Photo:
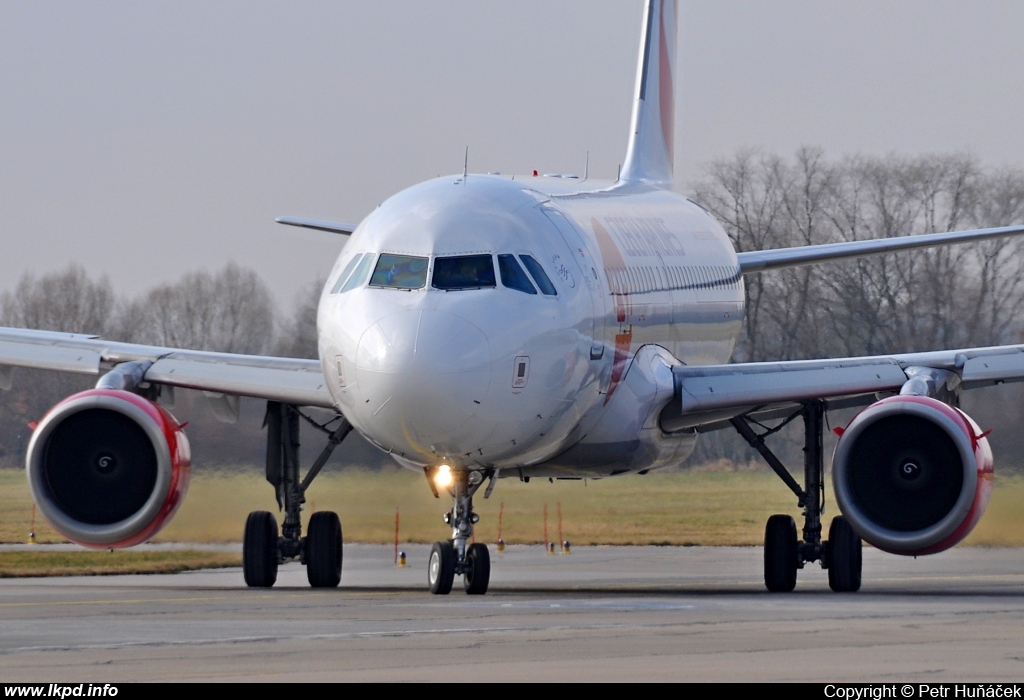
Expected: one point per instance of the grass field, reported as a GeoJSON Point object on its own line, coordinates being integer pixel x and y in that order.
{"type": "Point", "coordinates": [105, 563]}
{"type": "Point", "coordinates": [699, 507]}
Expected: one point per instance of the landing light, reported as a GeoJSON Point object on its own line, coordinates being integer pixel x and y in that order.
{"type": "Point", "coordinates": [443, 476]}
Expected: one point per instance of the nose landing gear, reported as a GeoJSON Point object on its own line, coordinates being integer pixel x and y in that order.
{"type": "Point", "coordinates": [458, 555]}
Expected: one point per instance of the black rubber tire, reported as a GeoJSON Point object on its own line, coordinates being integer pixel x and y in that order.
{"type": "Point", "coordinates": [844, 557]}
{"type": "Point", "coordinates": [324, 548]}
{"type": "Point", "coordinates": [478, 569]}
{"type": "Point", "coordinates": [781, 554]}
{"type": "Point", "coordinates": [441, 568]}
{"type": "Point", "coordinates": [260, 550]}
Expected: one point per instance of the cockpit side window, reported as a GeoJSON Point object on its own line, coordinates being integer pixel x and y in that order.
{"type": "Point", "coordinates": [348, 271]}
{"type": "Point", "coordinates": [463, 272]}
{"type": "Point", "coordinates": [539, 276]}
{"type": "Point", "coordinates": [512, 275]}
{"type": "Point", "coordinates": [399, 272]}
{"type": "Point", "coordinates": [359, 276]}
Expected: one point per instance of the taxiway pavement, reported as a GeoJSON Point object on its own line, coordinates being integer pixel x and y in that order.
{"type": "Point", "coordinates": [597, 614]}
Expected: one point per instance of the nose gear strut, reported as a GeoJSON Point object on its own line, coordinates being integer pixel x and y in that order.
{"type": "Point", "coordinates": [458, 555]}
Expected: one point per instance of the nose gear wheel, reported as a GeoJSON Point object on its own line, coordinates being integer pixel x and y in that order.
{"type": "Point", "coordinates": [441, 568]}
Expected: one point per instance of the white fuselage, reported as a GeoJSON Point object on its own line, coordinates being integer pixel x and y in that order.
{"type": "Point", "coordinates": [502, 374]}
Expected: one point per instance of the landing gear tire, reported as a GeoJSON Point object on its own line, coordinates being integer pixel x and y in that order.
{"type": "Point", "coordinates": [441, 569]}
{"type": "Point", "coordinates": [478, 569]}
{"type": "Point", "coordinates": [781, 554]}
{"type": "Point", "coordinates": [259, 550]}
{"type": "Point", "coordinates": [324, 550]}
{"type": "Point", "coordinates": [844, 555]}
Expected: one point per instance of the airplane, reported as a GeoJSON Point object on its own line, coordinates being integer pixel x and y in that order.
{"type": "Point", "coordinates": [480, 327]}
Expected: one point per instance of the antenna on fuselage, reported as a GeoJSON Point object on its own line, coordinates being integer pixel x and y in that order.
{"type": "Point", "coordinates": [465, 166]}
{"type": "Point", "coordinates": [586, 168]}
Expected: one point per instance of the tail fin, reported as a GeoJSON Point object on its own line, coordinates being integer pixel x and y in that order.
{"type": "Point", "coordinates": [649, 155]}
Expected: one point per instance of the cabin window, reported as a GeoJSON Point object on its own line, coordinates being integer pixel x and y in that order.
{"type": "Point", "coordinates": [513, 276]}
{"type": "Point", "coordinates": [463, 272]}
{"type": "Point", "coordinates": [399, 272]}
{"type": "Point", "coordinates": [344, 275]}
{"type": "Point", "coordinates": [539, 276]}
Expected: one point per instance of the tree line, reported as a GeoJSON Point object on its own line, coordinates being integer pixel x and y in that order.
{"type": "Point", "coordinates": [955, 296]}
{"type": "Point", "coordinates": [958, 296]}
{"type": "Point", "coordinates": [226, 311]}
{"type": "Point", "coordinates": [230, 310]}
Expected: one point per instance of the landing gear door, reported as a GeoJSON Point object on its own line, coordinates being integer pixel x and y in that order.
{"type": "Point", "coordinates": [588, 271]}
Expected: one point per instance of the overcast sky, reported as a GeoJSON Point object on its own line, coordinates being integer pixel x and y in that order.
{"type": "Point", "coordinates": [147, 139]}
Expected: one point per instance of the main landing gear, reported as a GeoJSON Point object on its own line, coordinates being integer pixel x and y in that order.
{"type": "Point", "coordinates": [784, 553]}
{"type": "Point", "coordinates": [457, 556]}
{"type": "Point", "coordinates": [263, 549]}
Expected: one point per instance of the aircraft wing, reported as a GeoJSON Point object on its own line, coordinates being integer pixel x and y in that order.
{"type": "Point", "coordinates": [763, 260]}
{"type": "Point", "coordinates": [329, 226]}
{"type": "Point", "coordinates": [289, 380]}
{"type": "Point", "coordinates": [711, 394]}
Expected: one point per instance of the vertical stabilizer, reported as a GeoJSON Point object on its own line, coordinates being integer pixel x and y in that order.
{"type": "Point", "coordinates": [649, 155]}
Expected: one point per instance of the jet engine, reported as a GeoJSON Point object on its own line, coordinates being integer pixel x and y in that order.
{"type": "Point", "coordinates": [912, 475]}
{"type": "Point", "coordinates": [108, 468]}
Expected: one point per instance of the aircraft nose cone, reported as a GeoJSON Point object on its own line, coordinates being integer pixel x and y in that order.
{"type": "Point", "coordinates": [422, 375]}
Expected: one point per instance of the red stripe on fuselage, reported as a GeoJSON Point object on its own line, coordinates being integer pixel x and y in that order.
{"type": "Point", "coordinates": [622, 344]}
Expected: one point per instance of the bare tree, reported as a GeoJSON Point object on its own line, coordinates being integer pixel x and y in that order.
{"type": "Point", "coordinates": [941, 297]}
{"type": "Point", "coordinates": [60, 301]}
{"type": "Point", "coordinates": [747, 195]}
{"type": "Point", "coordinates": [957, 296]}
{"type": "Point", "coordinates": [298, 336]}
{"type": "Point", "coordinates": [230, 311]}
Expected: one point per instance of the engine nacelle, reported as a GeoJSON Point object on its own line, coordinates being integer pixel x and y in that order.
{"type": "Point", "coordinates": [108, 468]}
{"type": "Point", "coordinates": [912, 475]}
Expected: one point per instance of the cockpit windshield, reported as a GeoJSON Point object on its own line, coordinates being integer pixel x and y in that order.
{"type": "Point", "coordinates": [400, 272]}
{"type": "Point", "coordinates": [463, 272]}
